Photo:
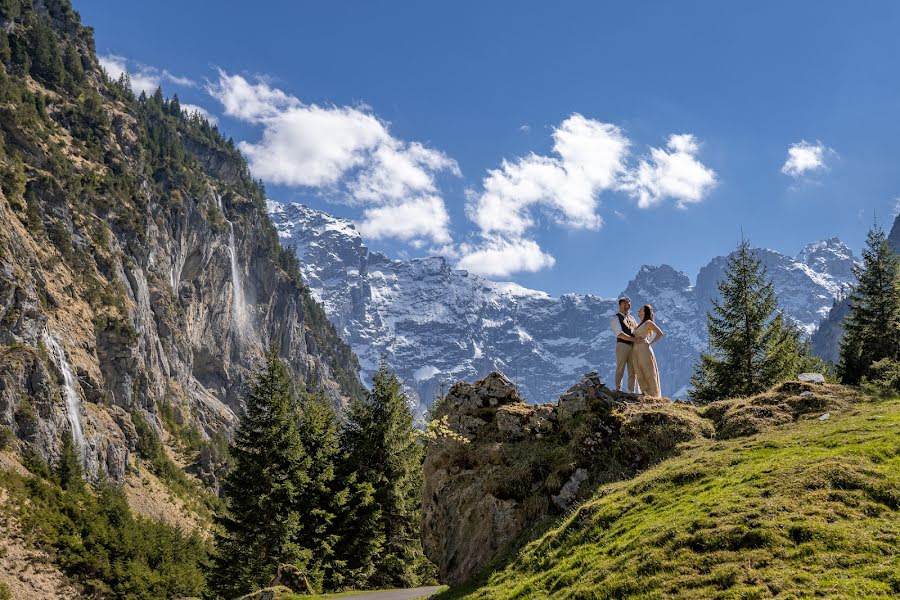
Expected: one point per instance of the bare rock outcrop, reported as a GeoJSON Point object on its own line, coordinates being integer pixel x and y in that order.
{"type": "Point", "coordinates": [496, 466]}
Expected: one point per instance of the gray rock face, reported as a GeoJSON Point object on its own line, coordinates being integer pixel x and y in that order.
{"type": "Point", "coordinates": [435, 324]}
{"type": "Point", "coordinates": [167, 293]}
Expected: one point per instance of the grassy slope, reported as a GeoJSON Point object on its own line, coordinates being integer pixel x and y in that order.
{"type": "Point", "coordinates": [808, 508]}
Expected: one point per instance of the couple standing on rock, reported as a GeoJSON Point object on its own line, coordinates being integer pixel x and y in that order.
{"type": "Point", "coordinates": [633, 348]}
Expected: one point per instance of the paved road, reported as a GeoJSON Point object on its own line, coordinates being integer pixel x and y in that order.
{"type": "Point", "coordinates": [398, 594]}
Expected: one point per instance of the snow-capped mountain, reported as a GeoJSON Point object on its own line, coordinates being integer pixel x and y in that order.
{"type": "Point", "coordinates": [435, 325]}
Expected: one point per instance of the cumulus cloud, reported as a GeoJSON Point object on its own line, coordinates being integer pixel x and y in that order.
{"type": "Point", "coordinates": [589, 155]}
{"type": "Point", "coordinates": [144, 78]}
{"type": "Point", "coordinates": [413, 220]}
{"type": "Point", "coordinates": [673, 172]}
{"type": "Point", "coordinates": [588, 158]}
{"type": "Point", "coordinates": [503, 257]}
{"type": "Point", "coordinates": [804, 157]}
{"type": "Point", "coordinates": [113, 65]}
{"type": "Point", "coordinates": [345, 150]}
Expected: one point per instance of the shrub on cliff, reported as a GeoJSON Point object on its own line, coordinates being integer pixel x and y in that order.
{"type": "Point", "coordinates": [95, 539]}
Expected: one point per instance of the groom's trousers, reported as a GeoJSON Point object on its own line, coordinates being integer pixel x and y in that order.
{"type": "Point", "coordinates": [625, 358]}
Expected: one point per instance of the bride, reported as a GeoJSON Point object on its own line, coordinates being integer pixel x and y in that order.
{"type": "Point", "coordinates": [644, 358]}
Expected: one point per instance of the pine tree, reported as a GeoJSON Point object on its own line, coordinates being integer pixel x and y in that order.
{"type": "Point", "coordinates": [322, 499]}
{"type": "Point", "coordinates": [260, 525]}
{"type": "Point", "coordinates": [382, 546]}
{"type": "Point", "coordinates": [68, 469]}
{"type": "Point", "coordinates": [47, 62]}
{"type": "Point", "coordinates": [751, 347]}
{"type": "Point", "coordinates": [872, 327]}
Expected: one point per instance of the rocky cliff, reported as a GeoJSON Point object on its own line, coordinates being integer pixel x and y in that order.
{"type": "Point", "coordinates": [496, 467]}
{"type": "Point", "coordinates": [435, 324]}
{"type": "Point", "coordinates": [139, 272]}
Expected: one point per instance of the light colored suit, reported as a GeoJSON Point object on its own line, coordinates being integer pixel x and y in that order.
{"type": "Point", "coordinates": [624, 353]}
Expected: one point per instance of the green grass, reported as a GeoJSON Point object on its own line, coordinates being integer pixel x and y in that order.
{"type": "Point", "coordinates": [810, 508]}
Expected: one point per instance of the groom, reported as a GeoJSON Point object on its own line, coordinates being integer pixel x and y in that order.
{"type": "Point", "coordinates": [623, 325]}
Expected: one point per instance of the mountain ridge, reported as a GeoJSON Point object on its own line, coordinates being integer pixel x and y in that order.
{"type": "Point", "coordinates": [542, 342]}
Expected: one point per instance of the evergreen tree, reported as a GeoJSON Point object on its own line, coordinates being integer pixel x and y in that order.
{"type": "Point", "coordinates": [382, 547]}
{"type": "Point", "coordinates": [751, 346]}
{"type": "Point", "coordinates": [260, 524]}
{"type": "Point", "coordinates": [872, 327]}
{"type": "Point", "coordinates": [73, 67]}
{"type": "Point", "coordinates": [46, 59]}
{"type": "Point", "coordinates": [68, 469]}
{"type": "Point", "coordinates": [321, 500]}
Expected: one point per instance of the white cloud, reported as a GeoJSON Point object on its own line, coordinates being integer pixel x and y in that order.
{"type": "Point", "coordinates": [804, 157]}
{"type": "Point", "coordinates": [396, 171]}
{"type": "Point", "coordinates": [414, 221]}
{"type": "Point", "coordinates": [589, 157]}
{"type": "Point", "coordinates": [673, 172]}
{"type": "Point", "coordinates": [113, 64]}
{"type": "Point", "coordinates": [344, 150]}
{"type": "Point", "coordinates": [503, 257]}
{"type": "Point", "coordinates": [144, 78]}
{"type": "Point", "coordinates": [250, 102]}
{"type": "Point", "coordinates": [193, 108]}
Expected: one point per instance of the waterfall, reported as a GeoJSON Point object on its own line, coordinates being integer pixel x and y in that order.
{"type": "Point", "coordinates": [73, 402]}
{"type": "Point", "coordinates": [239, 303]}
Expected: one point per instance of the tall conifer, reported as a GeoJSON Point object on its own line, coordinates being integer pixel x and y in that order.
{"type": "Point", "coordinates": [751, 346]}
{"type": "Point", "coordinates": [872, 327]}
{"type": "Point", "coordinates": [322, 499]}
{"type": "Point", "coordinates": [383, 449]}
{"type": "Point", "coordinates": [260, 525]}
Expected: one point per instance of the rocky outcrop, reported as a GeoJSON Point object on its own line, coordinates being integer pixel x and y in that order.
{"type": "Point", "coordinates": [496, 466]}
{"type": "Point", "coordinates": [138, 271]}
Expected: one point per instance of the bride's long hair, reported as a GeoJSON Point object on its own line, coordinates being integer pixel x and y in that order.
{"type": "Point", "coordinates": [647, 311]}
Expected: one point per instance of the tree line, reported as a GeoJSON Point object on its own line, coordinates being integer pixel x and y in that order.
{"type": "Point", "coordinates": [339, 501]}
{"type": "Point", "coordinates": [752, 345]}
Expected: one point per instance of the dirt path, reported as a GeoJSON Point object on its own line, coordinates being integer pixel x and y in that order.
{"type": "Point", "coordinates": [409, 594]}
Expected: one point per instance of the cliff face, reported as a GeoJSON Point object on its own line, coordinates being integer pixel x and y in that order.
{"type": "Point", "coordinates": [138, 268]}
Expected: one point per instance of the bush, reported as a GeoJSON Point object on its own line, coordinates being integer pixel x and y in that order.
{"type": "Point", "coordinates": [884, 378]}
{"type": "Point", "coordinates": [5, 593]}
{"type": "Point", "coordinates": [7, 439]}
{"type": "Point", "coordinates": [94, 538]}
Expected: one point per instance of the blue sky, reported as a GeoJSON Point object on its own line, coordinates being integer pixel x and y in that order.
{"type": "Point", "coordinates": [400, 116]}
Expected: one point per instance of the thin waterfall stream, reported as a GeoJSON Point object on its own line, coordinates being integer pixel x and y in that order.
{"type": "Point", "coordinates": [73, 402]}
